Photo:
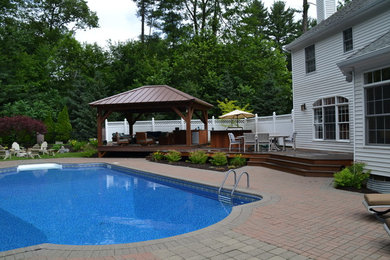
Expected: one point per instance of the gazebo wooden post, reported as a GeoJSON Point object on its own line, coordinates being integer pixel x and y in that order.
{"type": "Point", "coordinates": [99, 126]}
{"type": "Point", "coordinates": [188, 124]}
{"type": "Point", "coordinates": [131, 120]}
{"type": "Point", "coordinates": [206, 122]}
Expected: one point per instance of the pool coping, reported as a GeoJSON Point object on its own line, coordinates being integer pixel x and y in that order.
{"type": "Point", "coordinates": [238, 215]}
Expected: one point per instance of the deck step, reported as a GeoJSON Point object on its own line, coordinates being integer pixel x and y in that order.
{"type": "Point", "coordinates": [294, 170]}
{"type": "Point", "coordinates": [298, 165]}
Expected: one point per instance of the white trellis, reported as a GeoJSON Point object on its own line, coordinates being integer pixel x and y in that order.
{"type": "Point", "coordinates": [281, 124]}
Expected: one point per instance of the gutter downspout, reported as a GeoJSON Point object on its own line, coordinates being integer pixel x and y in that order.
{"type": "Point", "coordinates": [354, 116]}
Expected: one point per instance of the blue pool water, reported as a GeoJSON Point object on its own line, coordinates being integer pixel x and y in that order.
{"type": "Point", "coordinates": [97, 205]}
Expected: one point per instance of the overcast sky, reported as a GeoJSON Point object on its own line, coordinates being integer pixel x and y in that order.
{"type": "Point", "coordinates": [118, 20]}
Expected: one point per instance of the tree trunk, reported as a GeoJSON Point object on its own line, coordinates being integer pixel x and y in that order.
{"type": "Point", "coordinates": [304, 16]}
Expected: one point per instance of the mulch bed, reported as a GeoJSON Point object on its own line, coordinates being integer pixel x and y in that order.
{"type": "Point", "coordinates": [362, 190]}
{"type": "Point", "coordinates": [206, 166]}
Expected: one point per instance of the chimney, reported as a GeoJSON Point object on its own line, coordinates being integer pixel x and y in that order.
{"type": "Point", "coordinates": [325, 8]}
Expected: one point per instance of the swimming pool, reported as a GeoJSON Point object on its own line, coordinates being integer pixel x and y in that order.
{"type": "Point", "coordinates": [98, 204]}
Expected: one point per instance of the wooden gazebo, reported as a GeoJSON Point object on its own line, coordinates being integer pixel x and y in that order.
{"type": "Point", "coordinates": [148, 99]}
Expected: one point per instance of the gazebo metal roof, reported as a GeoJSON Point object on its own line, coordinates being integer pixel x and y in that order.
{"type": "Point", "coordinates": [147, 99]}
{"type": "Point", "coordinates": [150, 98]}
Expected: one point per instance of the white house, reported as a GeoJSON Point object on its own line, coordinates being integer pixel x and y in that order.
{"type": "Point", "coordinates": [341, 84]}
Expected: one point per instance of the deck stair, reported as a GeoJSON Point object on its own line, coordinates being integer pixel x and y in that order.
{"type": "Point", "coordinates": [313, 167]}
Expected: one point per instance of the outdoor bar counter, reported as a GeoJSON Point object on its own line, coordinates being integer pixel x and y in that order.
{"type": "Point", "coordinates": [220, 138]}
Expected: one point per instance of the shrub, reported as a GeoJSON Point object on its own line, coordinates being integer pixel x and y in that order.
{"type": "Point", "coordinates": [63, 126]}
{"type": "Point", "coordinates": [93, 142]}
{"type": "Point", "coordinates": [219, 159]}
{"type": "Point", "coordinates": [173, 156]}
{"type": "Point", "coordinates": [89, 150]}
{"type": "Point", "coordinates": [352, 176]}
{"type": "Point", "coordinates": [76, 145]}
{"type": "Point", "coordinates": [51, 129]}
{"type": "Point", "coordinates": [21, 129]}
{"type": "Point", "coordinates": [56, 146]}
{"type": "Point", "coordinates": [158, 156]}
{"type": "Point", "coordinates": [238, 161]}
{"type": "Point", "coordinates": [198, 157]}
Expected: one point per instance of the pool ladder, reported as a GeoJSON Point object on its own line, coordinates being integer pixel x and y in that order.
{"type": "Point", "coordinates": [227, 199]}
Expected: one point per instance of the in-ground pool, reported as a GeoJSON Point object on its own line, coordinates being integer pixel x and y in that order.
{"type": "Point", "coordinates": [102, 204]}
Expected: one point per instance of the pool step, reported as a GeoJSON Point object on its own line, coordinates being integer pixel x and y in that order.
{"type": "Point", "coordinates": [225, 199]}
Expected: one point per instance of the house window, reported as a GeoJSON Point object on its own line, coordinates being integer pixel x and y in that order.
{"type": "Point", "coordinates": [378, 114]}
{"type": "Point", "coordinates": [377, 76]}
{"type": "Point", "coordinates": [331, 118]}
{"type": "Point", "coordinates": [347, 38]}
{"type": "Point", "coordinates": [310, 59]}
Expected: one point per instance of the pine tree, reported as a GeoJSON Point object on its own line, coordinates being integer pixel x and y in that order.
{"type": "Point", "coordinates": [51, 129]}
{"type": "Point", "coordinates": [63, 127]}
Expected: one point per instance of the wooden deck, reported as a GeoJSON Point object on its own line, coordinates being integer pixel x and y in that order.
{"type": "Point", "coordinates": [302, 162]}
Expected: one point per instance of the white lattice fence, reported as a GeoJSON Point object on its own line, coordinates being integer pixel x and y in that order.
{"type": "Point", "coordinates": [281, 124]}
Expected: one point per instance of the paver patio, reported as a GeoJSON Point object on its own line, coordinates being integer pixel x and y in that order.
{"type": "Point", "coordinates": [299, 218]}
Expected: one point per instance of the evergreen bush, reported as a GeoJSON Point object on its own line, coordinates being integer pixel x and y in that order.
{"type": "Point", "coordinates": [173, 156]}
{"type": "Point", "coordinates": [352, 176]}
{"type": "Point", "coordinates": [63, 126]}
{"type": "Point", "coordinates": [158, 156]}
{"type": "Point", "coordinates": [238, 161]}
{"type": "Point", "coordinates": [198, 157]}
{"type": "Point", "coordinates": [219, 159]}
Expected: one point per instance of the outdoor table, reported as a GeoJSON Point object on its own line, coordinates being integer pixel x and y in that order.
{"type": "Point", "coordinates": [274, 142]}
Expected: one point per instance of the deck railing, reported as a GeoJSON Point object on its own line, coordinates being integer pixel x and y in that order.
{"type": "Point", "coordinates": [281, 124]}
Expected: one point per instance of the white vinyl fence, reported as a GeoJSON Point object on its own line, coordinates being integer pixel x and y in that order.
{"type": "Point", "coordinates": [280, 124]}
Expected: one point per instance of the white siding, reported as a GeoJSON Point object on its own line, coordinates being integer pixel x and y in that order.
{"type": "Point", "coordinates": [376, 157]}
{"type": "Point", "coordinates": [329, 81]}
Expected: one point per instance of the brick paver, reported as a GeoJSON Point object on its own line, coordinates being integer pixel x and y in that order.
{"type": "Point", "coordinates": [299, 218]}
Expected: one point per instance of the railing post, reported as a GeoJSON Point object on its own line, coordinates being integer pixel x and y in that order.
{"type": "Point", "coordinates": [274, 121]}
{"type": "Point", "coordinates": [213, 123]}
{"type": "Point", "coordinates": [256, 119]}
{"type": "Point", "coordinates": [124, 126]}
{"type": "Point", "coordinates": [153, 125]}
{"type": "Point", "coordinates": [106, 127]}
{"type": "Point", "coordinates": [293, 119]}
{"type": "Point", "coordinates": [182, 123]}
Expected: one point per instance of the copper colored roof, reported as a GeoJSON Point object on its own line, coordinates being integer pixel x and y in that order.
{"type": "Point", "coordinates": [151, 96]}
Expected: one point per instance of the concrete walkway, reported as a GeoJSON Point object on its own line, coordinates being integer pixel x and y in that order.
{"type": "Point", "coordinates": [299, 218]}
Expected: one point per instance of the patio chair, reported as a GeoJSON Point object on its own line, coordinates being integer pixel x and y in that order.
{"type": "Point", "coordinates": [5, 153]}
{"type": "Point", "coordinates": [263, 140]}
{"type": "Point", "coordinates": [387, 225]}
{"type": "Point", "coordinates": [375, 202]}
{"type": "Point", "coordinates": [290, 140]}
{"type": "Point", "coordinates": [234, 141]}
{"type": "Point", "coordinates": [16, 150]}
{"type": "Point", "coordinates": [142, 138]}
{"type": "Point", "coordinates": [250, 139]}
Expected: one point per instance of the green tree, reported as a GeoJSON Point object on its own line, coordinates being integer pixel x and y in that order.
{"type": "Point", "coordinates": [51, 129]}
{"type": "Point", "coordinates": [63, 126]}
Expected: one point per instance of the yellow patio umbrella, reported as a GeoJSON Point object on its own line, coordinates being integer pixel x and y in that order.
{"type": "Point", "coordinates": [237, 114]}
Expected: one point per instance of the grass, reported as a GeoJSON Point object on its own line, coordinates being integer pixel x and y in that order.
{"type": "Point", "coordinates": [57, 155]}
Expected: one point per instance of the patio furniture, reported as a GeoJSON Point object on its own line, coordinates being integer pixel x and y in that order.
{"type": "Point", "coordinates": [373, 202]}
{"type": "Point", "coordinates": [16, 150]}
{"type": "Point", "coordinates": [290, 140]}
{"type": "Point", "coordinates": [274, 146]}
{"type": "Point", "coordinates": [142, 138]}
{"type": "Point", "coordinates": [387, 225]}
{"type": "Point", "coordinates": [5, 153]}
{"type": "Point", "coordinates": [234, 141]}
{"type": "Point", "coordinates": [263, 140]}
{"type": "Point", "coordinates": [32, 153]}
{"type": "Point", "coordinates": [122, 139]}
{"type": "Point", "coordinates": [250, 139]}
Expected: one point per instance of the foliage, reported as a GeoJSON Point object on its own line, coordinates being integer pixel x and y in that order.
{"type": "Point", "coordinates": [198, 157]}
{"type": "Point", "coordinates": [173, 156]}
{"type": "Point", "coordinates": [77, 145]}
{"type": "Point", "coordinates": [158, 156]}
{"type": "Point", "coordinates": [56, 146]}
{"type": "Point", "coordinates": [352, 176]}
{"type": "Point", "coordinates": [219, 159]}
{"type": "Point", "coordinates": [93, 142]}
{"type": "Point", "coordinates": [51, 129]}
{"type": "Point", "coordinates": [238, 161]}
{"type": "Point", "coordinates": [214, 50]}
{"type": "Point", "coordinates": [63, 126]}
{"type": "Point", "coordinates": [227, 106]}
{"type": "Point", "coordinates": [21, 129]}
